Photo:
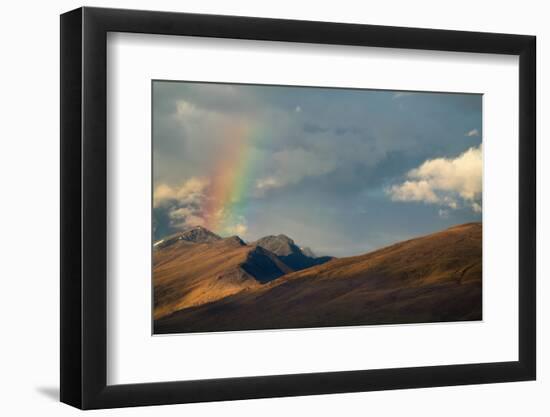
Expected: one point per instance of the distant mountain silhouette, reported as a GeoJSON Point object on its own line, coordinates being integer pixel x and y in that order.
{"type": "Point", "coordinates": [226, 285]}
{"type": "Point", "coordinates": [285, 248]}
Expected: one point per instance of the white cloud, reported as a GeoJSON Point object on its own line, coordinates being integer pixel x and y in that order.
{"type": "Point", "coordinates": [476, 207]}
{"type": "Point", "coordinates": [473, 132]}
{"type": "Point", "coordinates": [267, 183]}
{"type": "Point", "coordinates": [191, 191]}
{"type": "Point", "coordinates": [239, 229]}
{"type": "Point", "coordinates": [445, 182]}
{"type": "Point", "coordinates": [162, 194]}
{"type": "Point", "coordinates": [185, 222]}
{"type": "Point", "coordinates": [186, 217]}
{"type": "Point", "coordinates": [181, 213]}
{"type": "Point", "coordinates": [298, 109]}
{"type": "Point", "coordinates": [183, 204]}
{"type": "Point", "coordinates": [414, 191]}
{"type": "Point", "coordinates": [184, 207]}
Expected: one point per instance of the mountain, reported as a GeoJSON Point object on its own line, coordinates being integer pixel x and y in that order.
{"type": "Point", "coordinates": [308, 252]}
{"type": "Point", "coordinates": [195, 267]}
{"type": "Point", "coordinates": [196, 234]}
{"type": "Point", "coordinates": [427, 279]}
{"type": "Point", "coordinates": [288, 252]}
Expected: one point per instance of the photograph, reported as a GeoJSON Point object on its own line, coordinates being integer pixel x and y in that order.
{"type": "Point", "coordinates": [286, 207]}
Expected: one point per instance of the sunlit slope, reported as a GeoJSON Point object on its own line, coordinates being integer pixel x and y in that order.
{"type": "Point", "coordinates": [187, 274]}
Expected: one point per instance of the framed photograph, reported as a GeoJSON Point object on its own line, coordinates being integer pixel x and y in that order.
{"type": "Point", "coordinates": [257, 208]}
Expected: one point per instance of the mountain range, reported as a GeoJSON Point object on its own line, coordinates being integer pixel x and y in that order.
{"type": "Point", "coordinates": [197, 266]}
{"type": "Point", "coordinates": [203, 282]}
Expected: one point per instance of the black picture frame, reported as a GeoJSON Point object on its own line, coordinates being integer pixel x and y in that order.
{"type": "Point", "coordinates": [84, 207]}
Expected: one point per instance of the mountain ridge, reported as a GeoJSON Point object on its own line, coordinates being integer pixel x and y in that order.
{"type": "Point", "coordinates": [290, 253]}
{"type": "Point", "coordinates": [431, 278]}
{"type": "Point", "coordinates": [196, 266]}
{"type": "Point", "coordinates": [197, 234]}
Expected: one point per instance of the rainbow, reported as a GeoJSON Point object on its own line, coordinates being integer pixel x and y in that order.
{"type": "Point", "coordinates": [225, 207]}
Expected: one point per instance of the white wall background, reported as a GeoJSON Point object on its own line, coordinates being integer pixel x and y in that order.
{"type": "Point", "coordinates": [29, 176]}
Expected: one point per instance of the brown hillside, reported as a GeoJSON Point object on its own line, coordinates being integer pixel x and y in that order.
{"type": "Point", "coordinates": [187, 274]}
{"type": "Point", "coordinates": [427, 279]}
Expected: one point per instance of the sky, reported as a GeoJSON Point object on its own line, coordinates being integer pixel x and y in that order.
{"type": "Point", "coordinates": [341, 171]}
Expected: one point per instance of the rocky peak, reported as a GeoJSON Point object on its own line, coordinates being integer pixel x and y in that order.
{"type": "Point", "coordinates": [233, 241]}
{"type": "Point", "coordinates": [280, 245]}
{"type": "Point", "coordinates": [197, 234]}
